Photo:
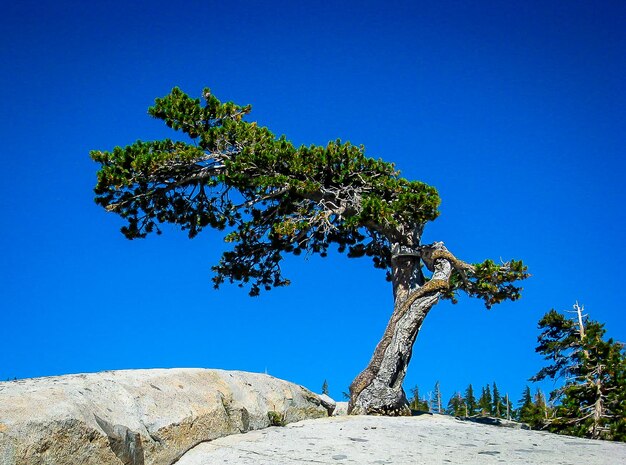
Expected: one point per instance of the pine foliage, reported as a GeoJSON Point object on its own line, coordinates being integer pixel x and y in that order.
{"type": "Point", "coordinates": [272, 198]}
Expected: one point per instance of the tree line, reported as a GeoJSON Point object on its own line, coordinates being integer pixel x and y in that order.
{"type": "Point", "coordinates": [590, 400]}
{"type": "Point", "coordinates": [490, 402]}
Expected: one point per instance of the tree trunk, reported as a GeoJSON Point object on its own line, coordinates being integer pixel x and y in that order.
{"type": "Point", "coordinates": [378, 389]}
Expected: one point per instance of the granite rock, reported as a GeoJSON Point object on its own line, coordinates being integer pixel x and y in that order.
{"type": "Point", "coordinates": [419, 440]}
{"type": "Point", "coordinates": [328, 402]}
{"type": "Point", "coordinates": [138, 417]}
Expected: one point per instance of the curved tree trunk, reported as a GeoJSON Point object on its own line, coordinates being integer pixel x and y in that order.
{"type": "Point", "coordinates": [378, 388]}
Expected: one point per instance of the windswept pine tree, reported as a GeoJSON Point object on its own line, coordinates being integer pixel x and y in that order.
{"type": "Point", "coordinates": [592, 400]}
{"type": "Point", "coordinates": [272, 198]}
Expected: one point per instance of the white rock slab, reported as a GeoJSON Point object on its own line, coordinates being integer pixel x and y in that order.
{"type": "Point", "coordinates": [427, 440]}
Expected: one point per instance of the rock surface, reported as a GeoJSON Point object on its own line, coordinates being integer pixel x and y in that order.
{"type": "Point", "coordinates": [426, 439]}
{"type": "Point", "coordinates": [328, 403]}
{"type": "Point", "coordinates": [138, 417]}
{"type": "Point", "coordinates": [341, 408]}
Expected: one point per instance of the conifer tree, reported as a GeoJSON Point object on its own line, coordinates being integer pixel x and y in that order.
{"type": "Point", "coordinates": [485, 401]}
{"type": "Point", "coordinates": [416, 403]}
{"type": "Point", "coordinates": [592, 400]}
{"type": "Point", "coordinates": [498, 408]}
{"type": "Point", "coordinates": [541, 406]}
{"type": "Point", "coordinates": [533, 409]}
{"type": "Point", "coordinates": [272, 198]}
{"type": "Point", "coordinates": [525, 410]}
{"type": "Point", "coordinates": [325, 387]}
{"type": "Point", "coordinates": [456, 406]}
{"type": "Point", "coordinates": [470, 401]}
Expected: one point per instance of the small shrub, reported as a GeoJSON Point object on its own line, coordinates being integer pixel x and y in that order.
{"type": "Point", "coordinates": [276, 419]}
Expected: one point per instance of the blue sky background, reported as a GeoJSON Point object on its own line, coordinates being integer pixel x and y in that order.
{"type": "Point", "coordinates": [515, 111]}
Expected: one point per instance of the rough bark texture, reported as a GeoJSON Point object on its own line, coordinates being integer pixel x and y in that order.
{"type": "Point", "coordinates": [378, 388]}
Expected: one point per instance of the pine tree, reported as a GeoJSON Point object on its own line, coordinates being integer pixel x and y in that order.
{"type": "Point", "coordinates": [325, 388]}
{"type": "Point", "coordinates": [271, 199]}
{"type": "Point", "coordinates": [416, 403]}
{"type": "Point", "coordinates": [592, 400]}
{"type": "Point", "coordinates": [470, 402]}
{"type": "Point", "coordinates": [541, 407]}
{"type": "Point", "coordinates": [456, 406]}
{"type": "Point", "coordinates": [485, 401]}
{"type": "Point", "coordinates": [528, 412]}
{"type": "Point", "coordinates": [498, 407]}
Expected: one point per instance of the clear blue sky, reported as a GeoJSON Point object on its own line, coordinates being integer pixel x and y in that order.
{"type": "Point", "coordinates": [515, 111]}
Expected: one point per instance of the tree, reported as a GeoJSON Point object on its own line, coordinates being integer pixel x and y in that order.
{"type": "Point", "coordinates": [416, 403]}
{"type": "Point", "coordinates": [498, 408]}
{"type": "Point", "coordinates": [325, 387]}
{"type": "Point", "coordinates": [485, 400]}
{"type": "Point", "coordinates": [470, 402]}
{"type": "Point", "coordinates": [541, 406]}
{"type": "Point", "coordinates": [592, 400]}
{"type": "Point", "coordinates": [272, 198]}
{"type": "Point", "coordinates": [510, 411]}
{"type": "Point", "coordinates": [528, 412]}
{"type": "Point", "coordinates": [437, 407]}
{"type": "Point", "coordinates": [457, 406]}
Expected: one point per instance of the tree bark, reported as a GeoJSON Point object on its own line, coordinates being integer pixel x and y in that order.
{"type": "Point", "coordinates": [377, 390]}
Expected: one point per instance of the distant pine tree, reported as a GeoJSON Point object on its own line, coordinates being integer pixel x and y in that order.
{"type": "Point", "coordinates": [525, 406]}
{"type": "Point", "coordinates": [325, 388]}
{"type": "Point", "coordinates": [456, 405]}
{"type": "Point", "coordinates": [498, 407]}
{"type": "Point", "coordinates": [415, 403]}
{"type": "Point", "coordinates": [470, 402]}
{"type": "Point", "coordinates": [415, 396]}
{"type": "Point", "coordinates": [528, 411]}
{"type": "Point", "coordinates": [484, 403]}
{"type": "Point", "coordinates": [541, 406]}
